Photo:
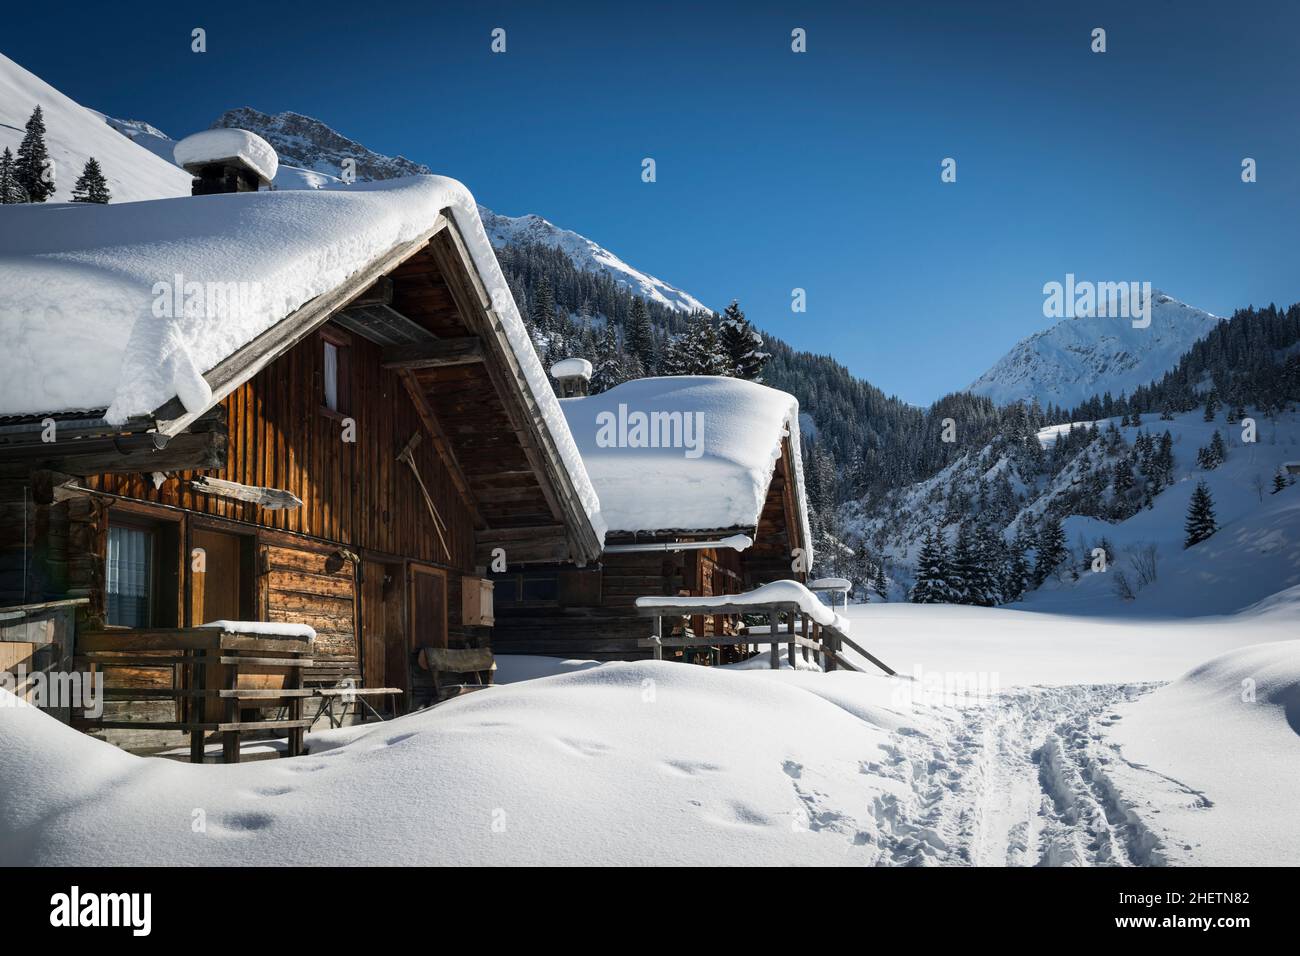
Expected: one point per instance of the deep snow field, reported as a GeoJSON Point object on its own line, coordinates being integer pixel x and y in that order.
{"type": "Point", "coordinates": [1076, 759]}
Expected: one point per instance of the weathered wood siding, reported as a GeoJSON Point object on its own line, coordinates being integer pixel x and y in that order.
{"type": "Point", "coordinates": [354, 493]}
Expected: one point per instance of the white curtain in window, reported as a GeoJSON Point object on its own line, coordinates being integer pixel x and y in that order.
{"type": "Point", "coordinates": [331, 376]}
{"type": "Point", "coordinates": [130, 553]}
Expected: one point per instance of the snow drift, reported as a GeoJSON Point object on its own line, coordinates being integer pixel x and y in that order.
{"type": "Point", "coordinates": [1213, 759]}
{"type": "Point", "coordinates": [645, 763]}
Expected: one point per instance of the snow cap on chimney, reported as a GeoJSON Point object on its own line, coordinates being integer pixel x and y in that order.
{"type": "Point", "coordinates": [574, 376]}
{"type": "Point", "coordinates": [227, 161]}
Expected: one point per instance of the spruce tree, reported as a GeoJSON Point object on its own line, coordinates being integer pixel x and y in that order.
{"type": "Point", "coordinates": [11, 191]}
{"type": "Point", "coordinates": [1279, 481]}
{"type": "Point", "coordinates": [91, 185]}
{"type": "Point", "coordinates": [1211, 405]}
{"type": "Point", "coordinates": [741, 345]}
{"type": "Point", "coordinates": [1052, 550]}
{"type": "Point", "coordinates": [640, 335]}
{"type": "Point", "coordinates": [932, 571]}
{"type": "Point", "coordinates": [1200, 523]}
{"type": "Point", "coordinates": [33, 166]}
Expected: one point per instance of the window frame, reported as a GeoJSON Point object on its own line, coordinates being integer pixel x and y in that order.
{"type": "Point", "coordinates": [341, 342]}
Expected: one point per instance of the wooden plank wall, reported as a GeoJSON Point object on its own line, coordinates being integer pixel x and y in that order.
{"type": "Point", "coordinates": [353, 493]}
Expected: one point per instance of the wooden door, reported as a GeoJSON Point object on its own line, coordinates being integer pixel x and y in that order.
{"type": "Point", "coordinates": [221, 592]}
{"type": "Point", "coordinates": [428, 590]}
{"type": "Point", "coordinates": [217, 592]}
{"type": "Point", "coordinates": [383, 634]}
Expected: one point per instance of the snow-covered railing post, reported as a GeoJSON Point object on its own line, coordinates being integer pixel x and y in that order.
{"type": "Point", "coordinates": [659, 638]}
{"type": "Point", "coordinates": [773, 632]}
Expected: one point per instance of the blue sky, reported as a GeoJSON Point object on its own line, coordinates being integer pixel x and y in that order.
{"type": "Point", "coordinates": [779, 170]}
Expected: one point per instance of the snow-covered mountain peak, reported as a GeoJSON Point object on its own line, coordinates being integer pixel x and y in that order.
{"type": "Point", "coordinates": [1088, 355]}
{"type": "Point", "coordinates": [585, 255]}
{"type": "Point", "coordinates": [307, 143]}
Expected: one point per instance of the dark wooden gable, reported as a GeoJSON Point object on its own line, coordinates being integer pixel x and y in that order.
{"type": "Point", "coordinates": [467, 385]}
{"type": "Point", "coordinates": [780, 528]}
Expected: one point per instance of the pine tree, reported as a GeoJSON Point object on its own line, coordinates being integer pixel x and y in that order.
{"type": "Point", "coordinates": [1279, 481]}
{"type": "Point", "coordinates": [91, 185]}
{"type": "Point", "coordinates": [1016, 579]}
{"type": "Point", "coordinates": [1123, 480]}
{"type": "Point", "coordinates": [1211, 405]}
{"type": "Point", "coordinates": [543, 308]}
{"type": "Point", "coordinates": [964, 575]}
{"type": "Point", "coordinates": [1200, 523]}
{"type": "Point", "coordinates": [612, 365]}
{"type": "Point", "coordinates": [33, 165]}
{"type": "Point", "coordinates": [640, 335]}
{"type": "Point", "coordinates": [741, 344]}
{"type": "Point", "coordinates": [1052, 550]}
{"type": "Point", "coordinates": [1213, 454]}
{"type": "Point", "coordinates": [932, 572]}
{"type": "Point", "coordinates": [880, 581]}
{"type": "Point", "coordinates": [10, 190]}
{"type": "Point", "coordinates": [696, 351]}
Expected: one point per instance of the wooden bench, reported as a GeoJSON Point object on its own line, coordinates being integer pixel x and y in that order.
{"type": "Point", "coordinates": [337, 679]}
{"type": "Point", "coordinates": [445, 662]}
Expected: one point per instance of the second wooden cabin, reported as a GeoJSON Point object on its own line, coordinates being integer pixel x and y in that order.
{"type": "Point", "coordinates": [700, 482]}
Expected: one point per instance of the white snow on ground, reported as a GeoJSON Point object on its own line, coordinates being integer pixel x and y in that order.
{"type": "Point", "coordinates": [210, 145]}
{"type": "Point", "coordinates": [1215, 757]}
{"type": "Point", "coordinates": [720, 483]}
{"type": "Point", "coordinates": [60, 264]}
{"type": "Point", "coordinates": [659, 762]}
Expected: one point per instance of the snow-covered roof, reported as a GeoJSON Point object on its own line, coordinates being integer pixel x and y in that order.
{"type": "Point", "coordinates": [214, 145]}
{"type": "Point", "coordinates": [89, 294]}
{"type": "Point", "coordinates": [571, 368]}
{"type": "Point", "coordinates": [715, 476]}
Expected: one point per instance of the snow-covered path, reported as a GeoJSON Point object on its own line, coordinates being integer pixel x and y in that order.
{"type": "Point", "coordinates": [1022, 781]}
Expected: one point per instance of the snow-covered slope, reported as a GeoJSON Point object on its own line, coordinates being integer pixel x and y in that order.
{"type": "Point", "coordinates": [1255, 553]}
{"type": "Point", "coordinates": [1081, 357]}
{"type": "Point", "coordinates": [74, 133]}
{"type": "Point", "coordinates": [586, 255]}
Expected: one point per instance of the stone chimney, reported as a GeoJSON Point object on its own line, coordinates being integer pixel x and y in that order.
{"type": "Point", "coordinates": [227, 161]}
{"type": "Point", "coordinates": [574, 377]}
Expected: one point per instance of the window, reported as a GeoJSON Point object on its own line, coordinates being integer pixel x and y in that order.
{"type": "Point", "coordinates": [335, 369]}
{"type": "Point", "coordinates": [331, 376]}
{"type": "Point", "coordinates": [130, 576]}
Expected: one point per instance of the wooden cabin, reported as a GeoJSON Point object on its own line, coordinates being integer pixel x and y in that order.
{"type": "Point", "coordinates": [358, 464]}
{"type": "Point", "coordinates": [722, 516]}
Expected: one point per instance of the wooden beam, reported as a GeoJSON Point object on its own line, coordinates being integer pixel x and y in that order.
{"type": "Point", "coordinates": [273, 499]}
{"type": "Point", "coordinates": [146, 453]}
{"type": "Point", "coordinates": [441, 444]}
{"type": "Point", "coordinates": [381, 293]}
{"type": "Point", "coordinates": [437, 354]}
